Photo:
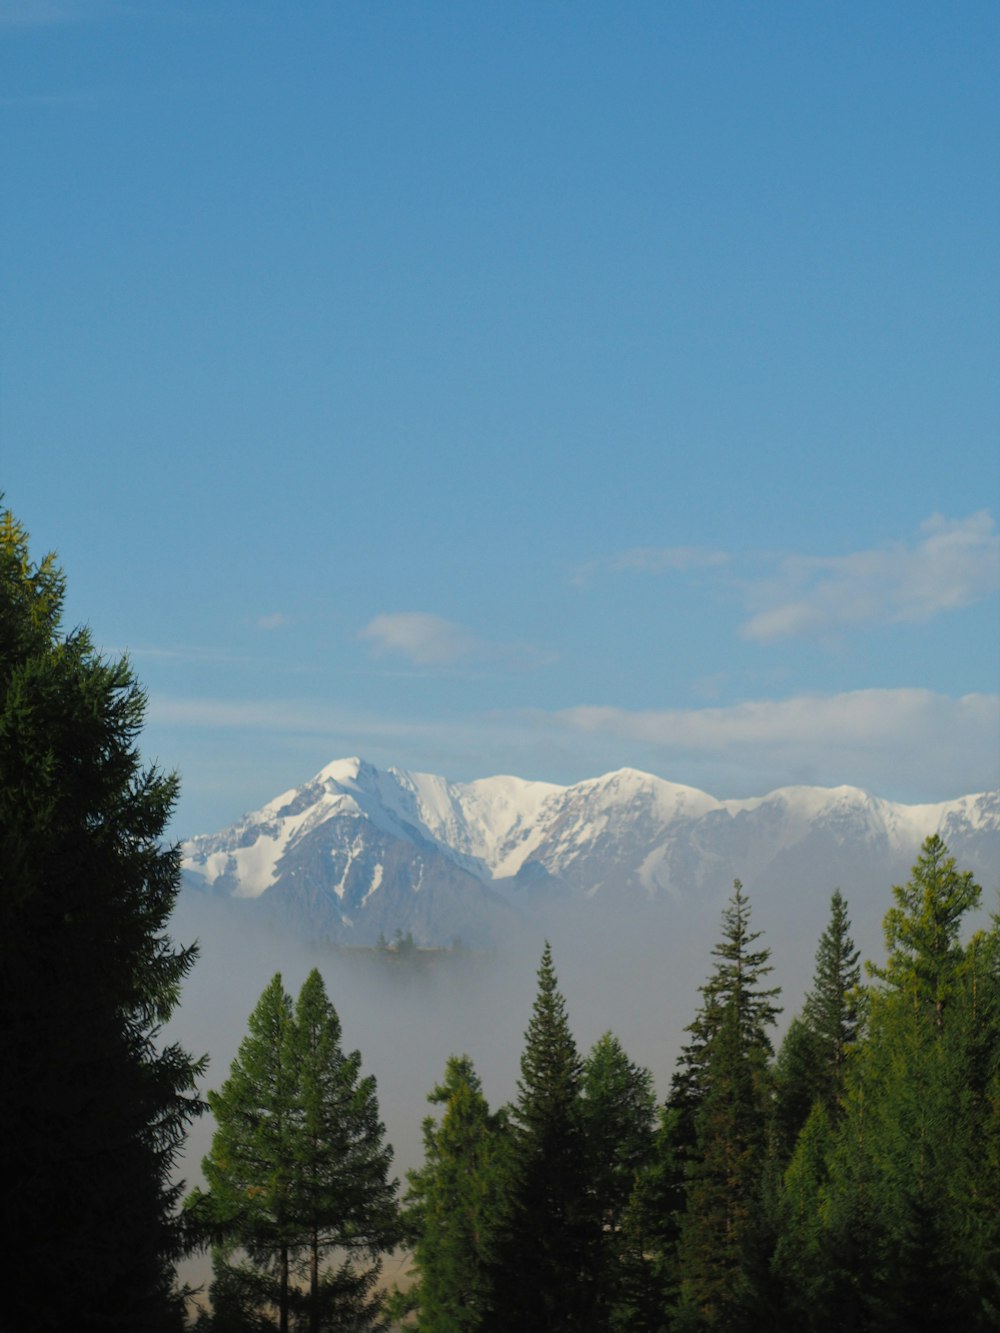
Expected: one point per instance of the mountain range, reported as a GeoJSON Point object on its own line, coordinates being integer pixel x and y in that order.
{"type": "Point", "coordinates": [357, 852]}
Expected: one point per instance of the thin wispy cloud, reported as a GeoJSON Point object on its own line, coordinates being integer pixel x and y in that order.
{"type": "Point", "coordinates": [879, 732]}
{"type": "Point", "coordinates": [954, 563]}
{"type": "Point", "coordinates": [187, 654]}
{"type": "Point", "coordinates": [277, 620]}
{"type": "Point", "coordinates": [428, 641]}
{"type": "Point", "coordinates": [422, 638]}
{"type": "Point", "coordinates": [652, 560]}
{"type": "Point", "coordinates": [290, 716]}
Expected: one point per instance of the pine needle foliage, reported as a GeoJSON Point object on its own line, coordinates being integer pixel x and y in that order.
{"type": "Point", "coordinates": [93, 1105]}
{"type": "Point", "coordinates": [544, 1274]}
{"type": "Point", "coordinates": [298, 1173]}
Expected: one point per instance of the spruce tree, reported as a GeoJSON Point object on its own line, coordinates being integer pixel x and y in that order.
{"type": "Point", "coordinates": [344, 1199]}
{"type": "Point", "coordinates": [93, 1107]}
{"type": "Point", "coordinates": [298, 1171]}
{"type": "Point", "coordinates": [831, 1008]}
{"type": "Point", "coordinates": [455, 1203]}
{"type": "Point", "coordinates": [248, 1173]}
{"type": "Point", "coordinates": [722, 1250]}
{"type": "Point", "coordinates": [910, 1208]}
{"type": "Point", "coordinates": [813, 1058]}
{"type": "Point", "coordinates": [544, 1274]}
{"type": "Point", "coordinates": [619, 1108]}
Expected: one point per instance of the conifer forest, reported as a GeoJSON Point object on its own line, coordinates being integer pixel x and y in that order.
{"type": "Point", "coordinates": [846, 1177]}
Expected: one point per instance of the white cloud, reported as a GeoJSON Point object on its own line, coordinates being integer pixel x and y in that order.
{"type": "Point", "coordinates": [908, 744]}
{"type": "Point", "coordinates": [869, 738]}
{"type": "Point", "coordinates": [294, 717]}
{"type": "Point", "coordinates": [274, 621]}
{"type": "Point", "coordinates": [427, 640]}
{"type": "Point", "coordinates": [431, 641]}
{"type": "Point", "coordinates": [955, 563]}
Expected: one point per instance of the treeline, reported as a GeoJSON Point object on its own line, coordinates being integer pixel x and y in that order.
{"type": "Point", "coordinates": [850, 1181]}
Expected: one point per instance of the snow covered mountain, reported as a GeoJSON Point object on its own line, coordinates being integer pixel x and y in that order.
{"type": "Point", "coordinates": [358, 852]}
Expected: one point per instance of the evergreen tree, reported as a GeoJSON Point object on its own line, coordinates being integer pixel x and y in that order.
{"type": "Point", "coordinates": [543, 1276]}
{"type": "Point", "coordinates": [831, 1008]}
{"type": "Point", "coordinates": [925, 955]}
{"type": "Point", "coordinates": [298, 1170]}
{"type": "Point", "coordinates": [455, 1203]}
{"type": "Point", "coordinates": [813, 1057]}
{"type": "Point", "coordinates": [93, 1108]}
{"type": "Point", "coordinates": [722, 1244]}
{"type": "Point", "coordinates": [910, 1211]}
{"type": "Point", "coordinates": [801, 1258]}
{"type": "Point", "coordinates": [344, 1198]}
{"type": "Point", "coordinates": [619, 1108]}
{"type": "Point", "coordinates": [248, 1173]}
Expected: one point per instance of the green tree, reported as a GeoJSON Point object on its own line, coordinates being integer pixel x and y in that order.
{"type": "Point", "coordinates": [248, 1174]}
{"type": "Point", "coordinates": [455, 1202]}
{"type": "Point", "coordinates": [93, 1107]}
{"type": "Point", "coordinates": [543, 1276]}
{"type": "Point", "coordinates": [298, 1170]}
{"type": "Point", "coordinates": [925, 955]}
{"type": "Point", "coordinates": [344, 1198]}
{"type": "Point", "coordinates": [722, 1243]}
{"type": "Point", "coordinates": [813, 1058]}
{"type": "Point", "coordinates": [619, 1110]}
{"type": "Point", "coordinates": [910, 1206]}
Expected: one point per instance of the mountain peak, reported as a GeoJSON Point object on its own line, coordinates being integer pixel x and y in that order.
{"type": "Point", "coordinates": [358, 845]}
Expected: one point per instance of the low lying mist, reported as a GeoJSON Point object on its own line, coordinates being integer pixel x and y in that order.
{"type": "Point", "coordinates": [632, 968]}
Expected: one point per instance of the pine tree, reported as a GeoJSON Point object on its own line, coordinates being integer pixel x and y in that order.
{"type": "Point", "coordinates": [298, 1169]}
{"type": "Point", "coordinates": [913, 1215]}
{"type": "Point", "coordinates": [543, 1276]}
{"type": "Point", "coordinates": [248, 1172]}
{"type": "Point", "coordinates": [93, 1108]}
{"type": "Point", "coordinates": [618, 1109]}
{"type": "Point", "coordinates": [721, 1247]}
{"type": "Point", "coordinates": [922, 931]}
{"type": "Point", "coordinates": [455, 1203]}
{"type": "Point", "coordinates": [344, 1200]}
{"type": "Point", "coordinates": [831, 1008]}
{"type": "Point", "coordinates": [813, 1057]}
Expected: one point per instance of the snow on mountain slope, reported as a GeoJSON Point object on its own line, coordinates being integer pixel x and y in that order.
{"type": "Point", "coordinates": [356, 845]}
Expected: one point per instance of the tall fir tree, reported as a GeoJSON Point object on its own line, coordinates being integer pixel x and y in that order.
{"type": "Point", "coordinates": [247, 1204]}
{"type": "Point", "coordinates": [455, 1203]}
{"type": "Point", "coordinates": [298, 1171]}
{"type": "Point", "coordinates": [544, 1274]}
{"type": "Point", "coordinates": [910, 1210]}
{"type": "Point", "coordinates": [619, 1111]}
{"type": "Point", "coordinates": [345, 1200]}
{"type": "Point", "coordinates": [813, 1058]}
{"type": "Point", "coordinates": [722, 1246]}
{"type": "Point", "coordinates": [93, 1106]}
{"type": "Point", "coordinates": [925, 954]}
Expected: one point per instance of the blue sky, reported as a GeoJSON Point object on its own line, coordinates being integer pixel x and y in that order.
{"type": "Point", "coordinates": [532, 388]}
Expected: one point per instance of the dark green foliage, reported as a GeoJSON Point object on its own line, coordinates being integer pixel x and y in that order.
{"type": "Point", "coordinates": [298, 1170]}
{"type": "Point", "coordinates": [547, 1255]}
{"type": "Point", "coordinates": [850, 1186]}
{"type": "Point", "coordinates": [812, 1062]}
{"type": "Point", "coordinates": [891, 1210]}
{"type": "Point", "coordinates": [93, 1109]}
{"type": "Point", "coordinates": [925, 956]}
{"type": "Point", "coordinates": [456, 1202]}
{"type": "Point", "coordinates": [618, 1109]}
{"type": "Point", "coordinates": [831, 1008]}
{"type": "Point", "coordinates": [713, 1140]}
